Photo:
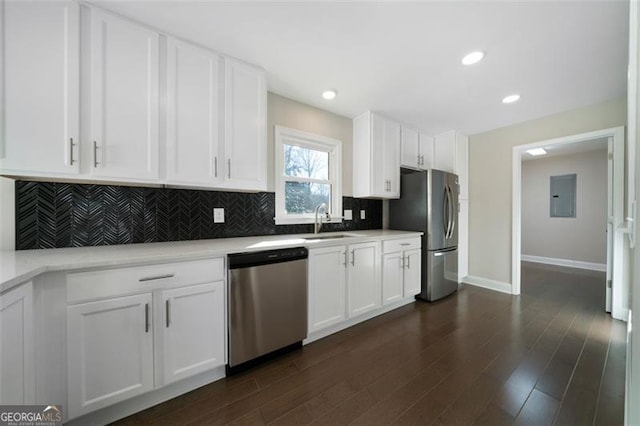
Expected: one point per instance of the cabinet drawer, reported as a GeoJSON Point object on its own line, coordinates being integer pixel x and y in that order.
{"type": "Point", "coordinates": [389, 246]}
{"type": "Point", "coordinates": [83, 286]}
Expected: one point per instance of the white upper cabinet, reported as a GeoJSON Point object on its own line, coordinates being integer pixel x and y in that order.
{"type": "Point", "coordinates": [410, 148]}
{"type": "Point", "coordinates": [245, 143]}
{"type": "Point", "coordinates": [426, 151]}
{"type": "Point", "coordinates": [124, 99]}
{"type": "Point", "coordinates": [416, 149]}
{"type": "Point", "coordinates": [376, 157]}
{"type": "Point", "coordinates": [193, 115]}
{"type": "Point", "coordinates": [41, 88]}
{"type": "Point", "coordinates": [444, 151]}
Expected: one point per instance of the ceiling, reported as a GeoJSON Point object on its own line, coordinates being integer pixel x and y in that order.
{"type": "Point", "coordinates": [402, 59]}
{"type": "Point", "coordinates": [568, 149]}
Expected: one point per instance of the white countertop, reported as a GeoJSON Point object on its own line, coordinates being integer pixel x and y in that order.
{"type": "Point", "coordinates": [17, 267]}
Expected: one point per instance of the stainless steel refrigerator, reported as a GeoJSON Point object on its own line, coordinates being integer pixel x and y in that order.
{"type": "Point", "coordinates": [429, 203]}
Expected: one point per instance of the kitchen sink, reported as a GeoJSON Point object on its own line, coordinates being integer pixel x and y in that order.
{"type": "Point", "coordinates": [328, 237]}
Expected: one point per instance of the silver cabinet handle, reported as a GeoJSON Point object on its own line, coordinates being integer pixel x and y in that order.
{"type": "Point", "coordinates": [155, 277]}
{"type": "Point", "coordinates": [71, 145]}
{"type": "Point", "coordinates": [229, 168]}
{"type": "Point", "coordinates": [95, 154]}
{"type": "Point", "coordinates": [167, 308]}
{"type": "Point", "coordinates": [422, 160]}
{"type": "Point", "coordinates": [419, 159]}
{"type": "Point", "coordinates": [215, 166]}
{"type": "Point", "coordinates": [344, 253]}
{"type": "Point", "coordinates": [405, 244]}
{"type": "Point", "coordinates": [401, 262]}
{"type": "Point", "coordinates": [408, 262]}
{"type": "Point", "coordinates": [146, 317]}
{"type": "Point", "coordinates": [353, 257]}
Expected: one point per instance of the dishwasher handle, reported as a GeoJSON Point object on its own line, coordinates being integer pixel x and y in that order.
{"type": "Point", "coordinates": [267, 257]}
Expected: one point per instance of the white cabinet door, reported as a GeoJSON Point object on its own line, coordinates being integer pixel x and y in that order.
{"type": "Point", "coordinates": [124, 99]}
{"type": "Point", "coordinates": [376, 157]}
{"type": "Point", "coordinates": [193, 108]}
{"type": "Point", "coordinates": [391, 159]}
{"type": "Point", "coordinates": [109, 352]}
{"type": "Point", "coordinates": [193, 330]}
{"type": "Point", "coordinates": [444, 151]}
{"type": "Point", "coordinates": [41, 88]}
{"type": "Point", "coordinates": [392, 277]}
{"type": "Point", "coordinates": [245, 142]}
{"type": "Point", "coordinates": [426, 151]}
{"type": "Point", "coordinates": [17, 359]}
{"type": "Point", "coordinates": [410, 148]}
{"type": "Point", "coordinates": [412, 272]}
{"type": "Point", "coordinates": [327, 291]}
{"type": "Point", "coordinates": [362, 277]}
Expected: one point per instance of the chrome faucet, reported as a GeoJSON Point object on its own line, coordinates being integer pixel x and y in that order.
{"type": "Point", "coordinates": [318, 225]}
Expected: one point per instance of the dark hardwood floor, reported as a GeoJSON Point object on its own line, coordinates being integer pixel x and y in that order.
{"type": "Point", "coordinates": [549, 356]}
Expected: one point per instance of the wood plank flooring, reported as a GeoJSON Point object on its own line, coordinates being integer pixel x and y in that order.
{"type": "Point", "coordinates": [549, 356]}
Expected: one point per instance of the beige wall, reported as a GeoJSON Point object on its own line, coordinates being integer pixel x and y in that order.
{"type": "Point", "coordinates": [582, 238]}
{"type": "Point", "coordinates": [289, 113]}
{"type": "Point", "coordinates": [490, 175]}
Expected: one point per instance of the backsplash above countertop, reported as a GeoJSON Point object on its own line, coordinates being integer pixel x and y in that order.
{"type": "Point", "coordinates": [56, 215]}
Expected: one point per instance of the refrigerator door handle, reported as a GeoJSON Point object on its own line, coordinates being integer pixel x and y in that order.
{"type": "Point", "coordinates": [451, 212]}
{"type": "Point", "coordinates": [445, 213]}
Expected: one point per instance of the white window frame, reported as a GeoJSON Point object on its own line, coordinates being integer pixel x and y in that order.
{"type": "Point", "coordinates": [285, 135]}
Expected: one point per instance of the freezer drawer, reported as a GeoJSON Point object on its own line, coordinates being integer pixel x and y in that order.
{"type": "Point", "coordinates": [441, 274]}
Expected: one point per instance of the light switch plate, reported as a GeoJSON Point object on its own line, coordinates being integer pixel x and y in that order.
{"type": "Point", "coordinates": [218, 215]}
{"type": "Point", "coordinates": [363, 214]}
{"type": "Point", "coordinates": [348, 215]}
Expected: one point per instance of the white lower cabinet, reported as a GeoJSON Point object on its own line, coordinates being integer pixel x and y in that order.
{"type": "Point", "coordinates": [327, 287]}
{"type": "Point", "coordinates": [193, 330]}
{"type": "Point", "coordinates": [109, 352]}
{"type": "Point", "coordinates": [17, 362]}
{"type": "Point", "coordinates": [343, 283]}
{"type": "Point", "coordinates": [401, 269]}
{"type": "Point", "coordinates": [363, 278]}
{"type": "Point", "coordinates": [120, 345]}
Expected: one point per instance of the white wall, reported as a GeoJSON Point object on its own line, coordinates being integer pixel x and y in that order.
{"type": "Point", "coordinates": [7, 214]}
{"type": "Point", "coordinates": [490, 175]}
{"type": "Point", "coordinates": [582, 238]}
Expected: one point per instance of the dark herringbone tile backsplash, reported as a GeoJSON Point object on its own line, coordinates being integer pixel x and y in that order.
{"type": "Point", "coordinates": [52, 215]}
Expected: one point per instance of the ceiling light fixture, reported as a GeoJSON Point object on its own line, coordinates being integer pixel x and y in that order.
{"type": "Point", "coordinates": [536, 151]}
{"type": "Point", "coordinates": [330, 94]}
{"type": "Point", "coordinates": [472, 58]}
{"type": "Point", "coordinates": [511, 99]}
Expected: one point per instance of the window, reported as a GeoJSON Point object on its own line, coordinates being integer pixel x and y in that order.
{"type": "Point", "coordinates": [308, 171]}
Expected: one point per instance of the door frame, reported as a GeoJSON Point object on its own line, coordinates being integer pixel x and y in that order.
{"type": "Point", "coordinates": [620, 285]}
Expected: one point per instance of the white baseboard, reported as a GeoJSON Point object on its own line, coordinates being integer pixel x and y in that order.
{"type": "Point", "coordinates": [488, 284]}
{"type": "Point", "coordinates": [565, 262]}
{"type": "Point", "coordinates": [317, 335]}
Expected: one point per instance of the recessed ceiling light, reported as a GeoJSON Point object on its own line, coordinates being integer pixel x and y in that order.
{"type": "Point", "coordinates": [511, 99]}
{"type": "Point", "coordinates": [472, 58]}
{"type": "Point", "coordinates": [329, 94]}
{"type": "Point", "coordinates": [536, 151]}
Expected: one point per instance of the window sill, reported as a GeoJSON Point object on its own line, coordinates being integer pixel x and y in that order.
{"type": "Point", "coordinates": [303, 220]}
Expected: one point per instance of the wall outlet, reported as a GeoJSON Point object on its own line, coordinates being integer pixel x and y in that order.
{"type": "Point", "coordinates": [348, 215]}
{"type": "Point", "coordinates": [218, 215]}
{"type": "Point", "coordinates": [363, 214]}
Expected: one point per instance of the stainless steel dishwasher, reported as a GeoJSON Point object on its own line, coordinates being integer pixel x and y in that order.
{"type": "Point", "coordinates": [267, 304]}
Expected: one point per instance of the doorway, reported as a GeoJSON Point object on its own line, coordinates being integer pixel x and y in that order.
{"type": "Point", "coordinates": [617, 287]}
